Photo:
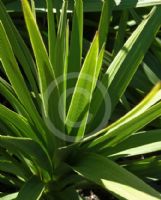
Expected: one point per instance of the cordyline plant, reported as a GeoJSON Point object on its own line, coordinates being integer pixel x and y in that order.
{"type": "Point", "coordinates": [54, 139]}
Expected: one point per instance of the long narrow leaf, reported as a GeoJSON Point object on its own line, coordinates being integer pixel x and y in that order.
{"type": "Point", "coordinates": [51, 30]}
{"type": "Point", "coordinates": [20, 49]}
{"type": "Point", "coordinates": [113, 178]}
{"type": "Point", "coordinates": [76, 39]}
{"type": "Point", "coordinates": [46, 73]}
{"type": "Point", "coordinates": [32, 190]}
{"type": "Point", "coordinates": [79, 106]}
{"type": "Point", "coordinates": [15, 77]}
{"type": "Point", "coordinates": [127, 61]}
{"type": "Point", "coordinates": [60, 65]}
{"type": "Point", "coordinates": [7, 91]}
{"type": "Point", "coordinates": [137, 144]}
{"type": "Point", "coordinates": [10, 196]}
{"type": "Point", "coordinates": [18, 121]}
{"type": "Point", "coordinates": [104, 22]}
{"type": "Point", "coordinates": [29, 149]}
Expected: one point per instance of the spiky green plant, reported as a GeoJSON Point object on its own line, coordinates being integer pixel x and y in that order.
{"type": "Point", "coordinates": [53, 143]}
